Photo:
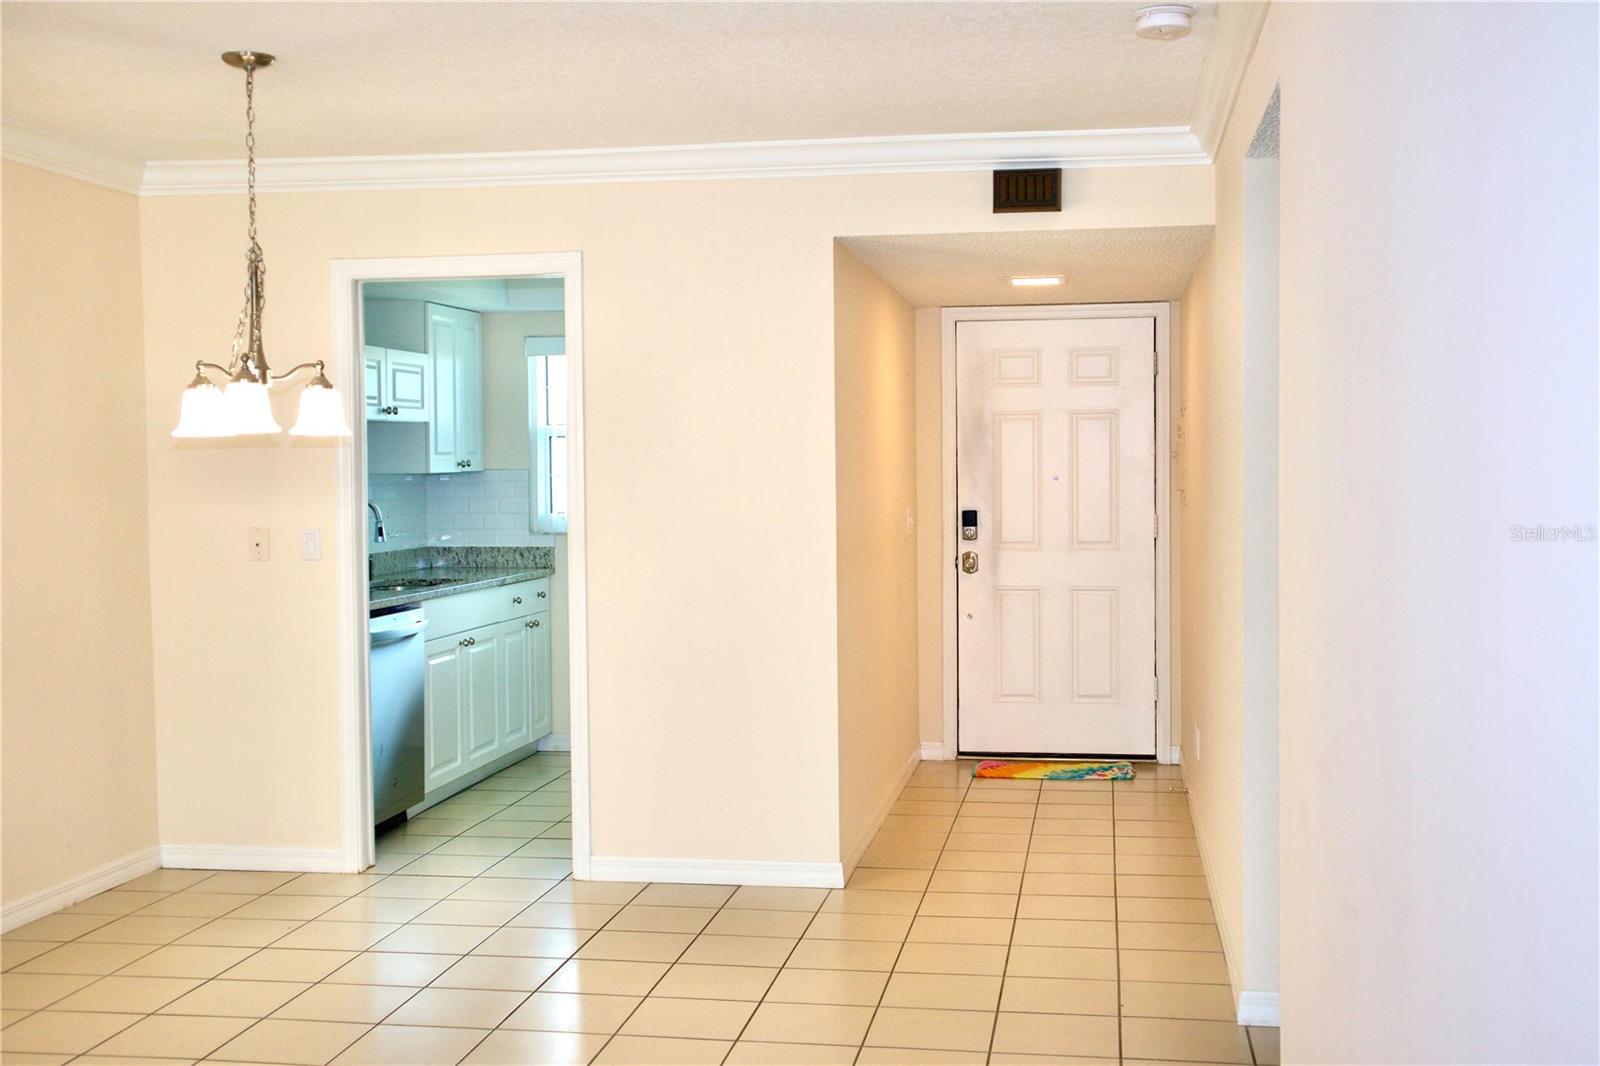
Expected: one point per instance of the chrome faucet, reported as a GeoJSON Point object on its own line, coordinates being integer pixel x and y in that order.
{"type": "Point", "coordinates": [377, 513]}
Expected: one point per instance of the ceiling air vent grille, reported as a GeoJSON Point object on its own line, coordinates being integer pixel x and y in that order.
{"type": "Point", "coordinates": [1027, 190]}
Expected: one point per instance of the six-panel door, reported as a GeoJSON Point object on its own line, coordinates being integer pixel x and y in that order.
{"type": "Point", "coordinates": [1055, 438]}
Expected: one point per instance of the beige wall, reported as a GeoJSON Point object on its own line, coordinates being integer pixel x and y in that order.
{"type": "Point", "coordinates": [79, 728]}
{"type": "Point", "coordinates": [710, 395]}
{"type": "Point", "coordinates": [1438, 386]}
{"type": "Point", "coordinates": [875, 457]}
{"type": "Point", "coordinates": [930, 527]}
{"type": "Point", "coordinates": [1213, 523]}
{"type": "Point", "coordinates": [505, 383]}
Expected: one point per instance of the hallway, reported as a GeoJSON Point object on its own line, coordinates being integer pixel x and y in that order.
{"type": "Point", "coordinates": [989, 921]}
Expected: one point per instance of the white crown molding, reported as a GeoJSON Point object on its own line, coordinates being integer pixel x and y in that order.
{"type": "Point", "coordinates": [1233, 41]}
{"type": "Point", "coordinates": [85, 164]}
{"type": "Point", "coordinates": [1069, 149]}
{"type": "Point", "coordinates": [49, 900]}
{"type": "Point", "coordinates": [754, 159]}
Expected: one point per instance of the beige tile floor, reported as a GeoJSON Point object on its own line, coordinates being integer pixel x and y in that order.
{"type": "Point", "coordinates": [989, 921]}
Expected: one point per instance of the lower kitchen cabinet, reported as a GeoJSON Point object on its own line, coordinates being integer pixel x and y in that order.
{"type": "Point", "coordinates": [487, 694]}
{"type": "Point", "coordinates": [444, 755]}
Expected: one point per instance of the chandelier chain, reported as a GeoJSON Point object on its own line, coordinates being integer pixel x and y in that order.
{"type": "Point", "coordinates": [245, 347]}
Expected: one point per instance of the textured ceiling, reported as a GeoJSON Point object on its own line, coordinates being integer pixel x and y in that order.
{"type": "Point", "coordinates": [143, 81]}
{"type": "Point", "coordinates": [1099, 265]}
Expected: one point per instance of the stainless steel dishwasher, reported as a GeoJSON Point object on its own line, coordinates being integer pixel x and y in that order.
{"type": "Point", "coordinates": [398, 664]}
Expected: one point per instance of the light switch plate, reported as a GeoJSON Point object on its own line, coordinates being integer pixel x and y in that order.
{"type": "Point", "coordinates": [310, 545]}
{"type": "Point", "coordinates": [258, 544]}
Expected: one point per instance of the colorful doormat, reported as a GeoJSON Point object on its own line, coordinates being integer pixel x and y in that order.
{"type": "Point", "coordinates": [1055, 771]}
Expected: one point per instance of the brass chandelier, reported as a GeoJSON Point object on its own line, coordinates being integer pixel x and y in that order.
{"type": "Point", "coordinates": [242, 407]}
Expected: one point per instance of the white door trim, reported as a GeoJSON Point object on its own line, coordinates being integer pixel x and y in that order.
{"type": "Point", "coordinates": [355, 747]}
{"type": "Point", "coordinates": [1163, 313]}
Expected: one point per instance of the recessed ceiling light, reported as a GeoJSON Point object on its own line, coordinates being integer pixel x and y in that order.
{"type": "Point", "coordinates": [1164, 22]}
{"type": "Point", "coordinates": [1028, 280]}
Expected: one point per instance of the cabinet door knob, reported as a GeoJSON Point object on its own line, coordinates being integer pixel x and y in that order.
{"type": "Point", "coordinates": [516, 599]}
{"type": "Point", "coordinates": [463, 642]}
{"type": "Point", "coordinates": [542, 595]}
{"type": "Point", "coordinates": [534, 623]}
{"type": "Point", "coordinates": [530, 624]}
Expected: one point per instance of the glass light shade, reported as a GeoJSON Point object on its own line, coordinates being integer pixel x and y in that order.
{"type": "Point", "coordinates": [321, 413]}
{"type": "Point", "coordinates": [248, 410]}
{"type": "Point", "coordinates": [203, 413]}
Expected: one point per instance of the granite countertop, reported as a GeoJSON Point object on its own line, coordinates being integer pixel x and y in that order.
{"type": "Point", "coordinates": [457, 579]}
{"type": "Point", "coordinates": [436, 572]}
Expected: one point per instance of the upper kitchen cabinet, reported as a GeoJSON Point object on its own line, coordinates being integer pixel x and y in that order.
{"type": "Point", "coordinates": [398, 385]}
{"type": "Point", "coordinates": [424, 365]}
{"type": "Point", "coordinates": [455, 433]}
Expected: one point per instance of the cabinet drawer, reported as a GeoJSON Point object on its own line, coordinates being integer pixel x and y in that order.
{"type": "Point", "coordinates": [471, 610]}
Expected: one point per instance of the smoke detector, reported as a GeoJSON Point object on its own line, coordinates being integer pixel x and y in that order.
{"type": "Point", "coordinates": [1164, 22]}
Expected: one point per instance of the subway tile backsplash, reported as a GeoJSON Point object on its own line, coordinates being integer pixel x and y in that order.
{"type": "Point", "coordinates": [489, 508]}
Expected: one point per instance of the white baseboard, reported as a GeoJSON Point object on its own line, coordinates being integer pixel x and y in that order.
{"type": "Point", "coordinates": [718, 871]}
{"type": "Point", "coordinates": [555, 742]}
{"type": "Point", "coordinates": [1175, 756]}
{"type": "Point", "coordinates": [859, 846]}
{"type": "Point", "coordinates": [232, 857]}
{"type": "Point", "coordinates": [935, 751]}
{"type": "Point", "coordinates": [1258, 1008]}
{"type": "Point", "coordinates": [49, 900]}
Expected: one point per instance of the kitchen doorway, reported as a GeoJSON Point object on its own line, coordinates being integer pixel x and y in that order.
{"type": "Point", "coordinates": [454, 363]}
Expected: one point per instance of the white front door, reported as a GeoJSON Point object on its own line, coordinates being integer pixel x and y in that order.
{"type": "Point", "coordinates": [1055, 452]}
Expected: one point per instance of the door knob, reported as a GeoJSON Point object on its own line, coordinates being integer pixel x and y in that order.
{"type": "Point", "coordinates": [969, 562]}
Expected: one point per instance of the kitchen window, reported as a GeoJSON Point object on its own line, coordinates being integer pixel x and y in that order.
{"type": "Point", "coordinates": [547, 406]}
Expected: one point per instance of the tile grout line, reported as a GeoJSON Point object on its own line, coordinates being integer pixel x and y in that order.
{"type": "Point", "coordinates": [1005, 969]}
{"type": "Point", "coordinates": [779, 973]}
{"type": "Point", "coordinates": [657, 982]}
{"type": "Point", "coordinates": [968, 796]}
{"type": "Point", "coordinates": [1116, 919]}
{"type": "Point", "coordinates": [926, 887]}
{"type": "Point", "coordinates": [255, 949]}
{"type": "Point", "coordinates": [312, 984]}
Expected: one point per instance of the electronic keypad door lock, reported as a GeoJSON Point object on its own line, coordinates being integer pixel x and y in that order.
{"type": "Point", "coordinates": [969, 525]}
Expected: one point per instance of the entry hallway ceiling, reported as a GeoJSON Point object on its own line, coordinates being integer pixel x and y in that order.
{"type": "Point", "coordinates": [1099, 265]}
{"type": "Point", "coordinates": [143, 81]}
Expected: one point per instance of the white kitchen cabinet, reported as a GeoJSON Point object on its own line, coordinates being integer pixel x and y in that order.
{"type": "Point", "coordinates": [517, 674]}
{"type": "Point", "coordinates": [525, 712]}
{"type": "Point", "coordinates": [444, 755]}
{"type": "Point", "coordinates": [539, 670]}
{"type": "Point", "coordinates": [398, 385]}
{"type": "Point", "coordinates": [488, 681]}
{"type": "Point", "coordinates": [481, 694]}
{"type": "Point", "coordinates": [455, 429]}
{"type": "Point", "coordinates": [372, 379]}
